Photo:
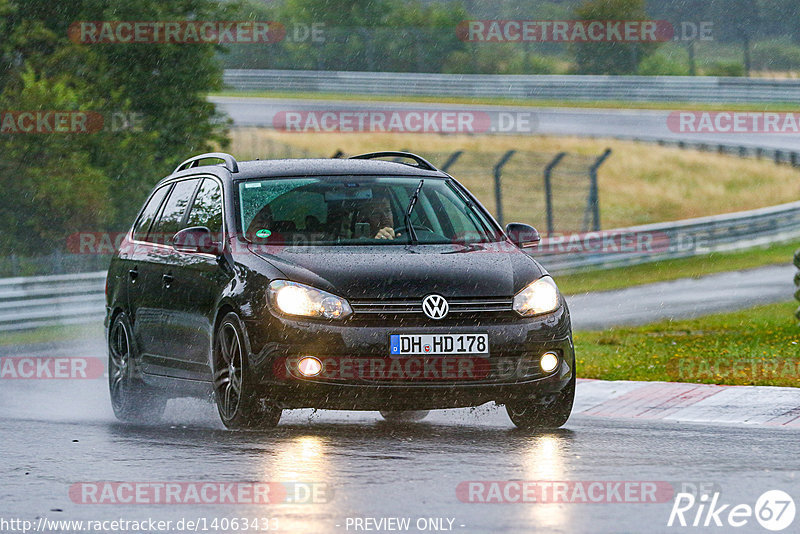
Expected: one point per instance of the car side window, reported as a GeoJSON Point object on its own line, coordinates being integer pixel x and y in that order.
{"type": "Point", "coordinates": [172, 214]}
{"type": "Point", "coordinates": [149, 213]}
{"type": "Point", "coordinates": [207, 208]}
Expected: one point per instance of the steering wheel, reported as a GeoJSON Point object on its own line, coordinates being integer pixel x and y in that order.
{"type": "Point", "coordinates": [401, 230]}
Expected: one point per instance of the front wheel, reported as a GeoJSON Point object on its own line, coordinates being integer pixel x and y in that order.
{"type": "Point", "coordinates": [528, 416]}
{"type": "Point", "coordinates": [235, 391]}
{"type": "Point", "coordinates": [131, 399]}
{"type": "Point", "coordinates": [405, 416]}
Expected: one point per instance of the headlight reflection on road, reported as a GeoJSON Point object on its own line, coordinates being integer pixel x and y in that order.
{"type": "Point", "coordinates": [301, 459]}
{"type": "Point", "coordinates": [302, 464]}
{"type": "Point", "coordinates": [544, 460]}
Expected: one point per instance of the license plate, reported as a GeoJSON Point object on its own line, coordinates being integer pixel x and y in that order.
{"type": "Point", "coordinates": [438, 344]}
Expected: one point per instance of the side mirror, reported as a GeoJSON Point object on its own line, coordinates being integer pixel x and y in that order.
{"type": "Point", "coordinates": [196, 239]}
{"type": "Point", "coordinates": [523, 235]}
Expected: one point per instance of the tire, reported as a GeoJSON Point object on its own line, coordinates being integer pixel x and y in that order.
{"type": "Point", "coordinates": [131, 399]}
{"type": "Point", "coordinates": [405, 416]}
{"type": "Point", "coordinates": [235, 392]}
{"type": "Point", "coordinates": [528, 416]}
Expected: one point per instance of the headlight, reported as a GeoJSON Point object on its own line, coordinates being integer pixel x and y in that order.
{"type": "Point", "coordinates": [538, 297]}
{"type": "Point", "coordinates": [292, 298]}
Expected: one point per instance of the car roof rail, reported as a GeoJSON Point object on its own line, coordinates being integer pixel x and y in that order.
{"type": "Point", "coordinates": [230, 162]}
{"type": "Point", "coordinates": [422, 163]}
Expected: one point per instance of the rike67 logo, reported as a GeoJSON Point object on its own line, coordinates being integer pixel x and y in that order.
{"type": "Point", "coordinates": [774, 510]}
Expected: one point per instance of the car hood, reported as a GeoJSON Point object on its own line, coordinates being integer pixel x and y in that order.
{"type": "Point", "coordinates": [393, 271]}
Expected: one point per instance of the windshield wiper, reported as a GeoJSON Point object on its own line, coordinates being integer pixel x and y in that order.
{"type": "Point", "coordinates": [465, 247]}
{"type": "Point", "coordinates": [412, 234]}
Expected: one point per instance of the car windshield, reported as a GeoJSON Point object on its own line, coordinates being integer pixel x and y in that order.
{"type": "Point", "coordinates": [359, 210]}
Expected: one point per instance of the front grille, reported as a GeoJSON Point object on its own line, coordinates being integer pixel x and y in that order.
{"type": "Point", "coordinates": [400, 307]}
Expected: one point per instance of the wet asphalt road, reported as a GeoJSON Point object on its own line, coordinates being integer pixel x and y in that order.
{"type": "Point", "coordinates": [686, 298]}
{"type": "Point", "coordinates": [59, 433]}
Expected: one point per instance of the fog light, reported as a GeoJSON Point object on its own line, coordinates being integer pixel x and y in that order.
{"type": "Point", "coordinates": [309, 366]}
{"type": "Point", "coordinates": [549, 361]}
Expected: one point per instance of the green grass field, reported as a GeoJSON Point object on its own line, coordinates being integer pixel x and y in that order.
{"type": "Point", "coordinates": [759, 346]}
{"type": "Point", "coordinates": [52, 333]}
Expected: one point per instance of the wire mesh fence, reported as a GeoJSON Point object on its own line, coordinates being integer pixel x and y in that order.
{"type": "Point", "coordinates": [513, 186]}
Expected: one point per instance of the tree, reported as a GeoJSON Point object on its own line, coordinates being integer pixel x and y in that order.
{"type": "Point", "coordinates": [58, 184]}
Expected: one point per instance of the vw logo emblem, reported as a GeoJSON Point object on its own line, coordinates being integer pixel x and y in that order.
{"type": "Point", "coordinates": [435, 306]}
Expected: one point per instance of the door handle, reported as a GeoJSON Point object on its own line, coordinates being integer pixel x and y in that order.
{"type": "Point", "coordinates": [168, 279]}
{"type": "Point", "coordinates": [133, 274]}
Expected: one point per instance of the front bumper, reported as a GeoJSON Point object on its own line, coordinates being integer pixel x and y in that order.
{"type": "Point", "coordinates": [507, 370]}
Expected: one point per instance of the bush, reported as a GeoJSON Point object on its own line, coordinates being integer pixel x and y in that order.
{"type": "Point", "coordinates": [776, 55]}
{"type": "Point", "coordinates": [661, 65]}
{"type": "Point", "coordinates": [495, 58]}
{"type": "Point", "coordinates": [613, 57]}
{"type": "Point", "coordinates": [725, 68]}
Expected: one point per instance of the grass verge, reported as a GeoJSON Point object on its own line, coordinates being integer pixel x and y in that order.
{"type": "Point", "coordinates": [759, 346]}
{"type": "Point", "coordinates": [662, 271]}
{"type": "Point", "coordinates": [52, 333]}
{"type": "Point", "coordinates": [533, 103]}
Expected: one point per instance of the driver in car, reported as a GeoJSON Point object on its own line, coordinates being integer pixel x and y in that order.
{"type": "Point", "coordinates": [378, 213]}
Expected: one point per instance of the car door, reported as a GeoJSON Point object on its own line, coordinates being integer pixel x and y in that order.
{"type": "Point", "coordinates": [190, 299]}
{"type": "Point", "coordinates": [143, 271]}
{"type": "Point", "coordinates": [162, 263]}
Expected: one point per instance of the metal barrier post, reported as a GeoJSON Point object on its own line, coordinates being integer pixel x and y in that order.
{"type": "Point", "coordinates": [452, 159]}
{"type": "Point", "coordinates": [548, 190]}
{"type": "Point", "coordinates": [797, 281]}
{"type": "Point", "coordinates": [498, 186]}
{"type": "Point", "coordinates": [594, 196]}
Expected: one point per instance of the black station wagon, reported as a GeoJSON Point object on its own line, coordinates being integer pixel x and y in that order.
{"type": "Point", "coordinates": [352, 284]}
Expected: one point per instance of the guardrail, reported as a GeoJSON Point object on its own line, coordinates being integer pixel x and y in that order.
{"type": "Point", "coordinates": [653, 242]}
{"type": "Point", "coordinates": [777, 155]}
{"type": "Point", "coordinates": [797, 281]}
{"type": "Point", "coordinates": [542, 87]}
{"type": "Point", "coordinates": [39, 301]}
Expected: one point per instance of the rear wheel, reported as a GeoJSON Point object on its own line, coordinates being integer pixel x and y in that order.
{"type": "Point", "coordinates": [131, 399]}
{"type": "Point", "coordinates": [404, 416]}
{"type": "Point", "coordinates": [238, 402]}
{"type": "Point", "coordinates": [528, 415]}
